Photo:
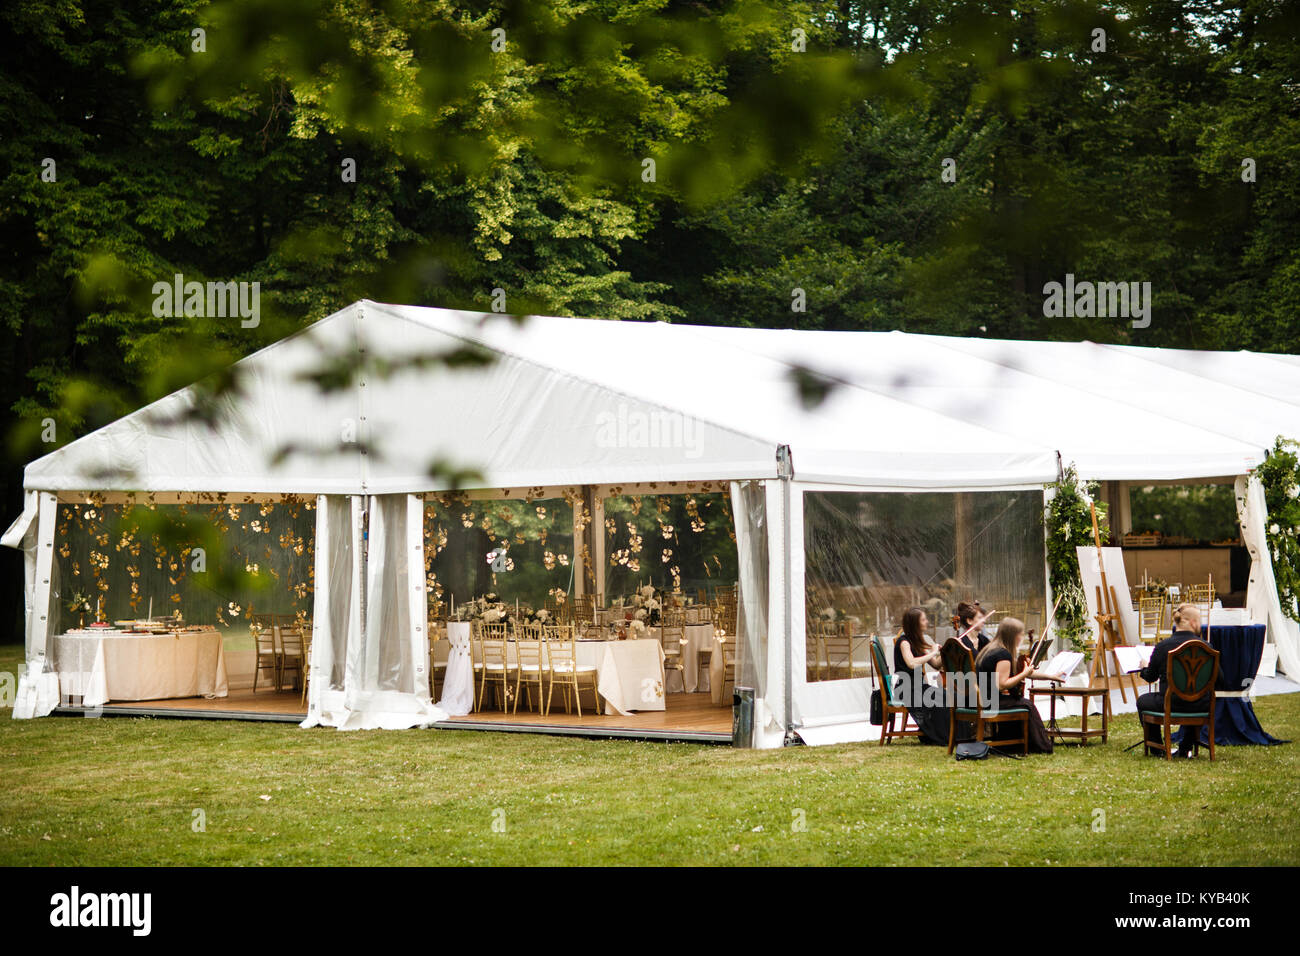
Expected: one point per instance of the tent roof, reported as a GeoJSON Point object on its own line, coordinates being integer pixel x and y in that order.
{"type": "Point", "coordinates": [583, 401]}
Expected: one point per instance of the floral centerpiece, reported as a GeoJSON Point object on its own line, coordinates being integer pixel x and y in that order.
{"type": "Point", "coordinates": [539, 616]}
{"type": "Point", "coordinates": [79, 604]}
{"type": "Point", "coordinates": [486, 609]}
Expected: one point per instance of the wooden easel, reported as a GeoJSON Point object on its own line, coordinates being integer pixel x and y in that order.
{"type": "Point", "coordinates": [1110, 627]}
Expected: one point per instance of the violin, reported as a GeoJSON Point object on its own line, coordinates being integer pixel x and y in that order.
{"type": "Point", "coordinates": [1023, 660]}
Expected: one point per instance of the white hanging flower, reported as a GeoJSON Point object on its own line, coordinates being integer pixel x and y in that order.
{"type": "Point", "coordinates": [1273, 528]}
{"type": "Point", "coordinates": [1293, 491]}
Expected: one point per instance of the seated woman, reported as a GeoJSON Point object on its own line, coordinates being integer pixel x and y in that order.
{"type": "Point", "coordinates": [994, 667]}
{"type": "Point", "coordinates": [971, 616]}
{"type": "Point", "coordinates": [911, 653]}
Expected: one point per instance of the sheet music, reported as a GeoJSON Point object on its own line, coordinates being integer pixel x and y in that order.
{"type": "Point", "coordinates": [1134, 658]}
{"type": "Point", "coordinates": [1063, 664]}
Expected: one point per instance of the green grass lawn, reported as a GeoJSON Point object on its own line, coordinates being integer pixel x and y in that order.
{"type": "Point", "coordinates": [119, 791]}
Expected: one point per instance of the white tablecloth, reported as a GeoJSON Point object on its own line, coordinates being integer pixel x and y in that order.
{"type": "Point", "coordinates": [629, 674]}
{"type": "Point", "coordinates": [104, 666]}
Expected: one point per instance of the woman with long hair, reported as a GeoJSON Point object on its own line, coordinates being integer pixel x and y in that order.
{"type": "Point", "coordinates": [912, 652]}
{"type": "Point", "coordinates": [995, 667]}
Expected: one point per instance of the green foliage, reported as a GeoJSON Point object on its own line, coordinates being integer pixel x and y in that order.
{"type": "Point", "coordinates": [1280, 475]}
{"type": "Point", "coordinates": [1068, 525]}
{"type": "Point", "coordinates": [1204, 512]}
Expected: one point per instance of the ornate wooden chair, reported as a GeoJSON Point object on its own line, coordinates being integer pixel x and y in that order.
{"type": "Point", "coordinates": [961, 685]}
{"type": "Point", "coordinates": [1191, 669]}
{"type": "Point", "coordinates": [890, 705]}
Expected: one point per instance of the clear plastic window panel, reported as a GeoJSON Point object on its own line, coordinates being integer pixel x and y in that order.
{"type": "Point", "coordinates": [870, 556]}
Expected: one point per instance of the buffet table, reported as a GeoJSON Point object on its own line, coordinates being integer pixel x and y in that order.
{"type": "Point", "coordinates": [102, 665]}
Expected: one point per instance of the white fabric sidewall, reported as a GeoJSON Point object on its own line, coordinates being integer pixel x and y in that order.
{"type": "Point", "coordinates": [417, 594]}
{"type": "Point", "coordinates": [770, 718]}
{"type": "Point", "coordinates": [1262, 600]}
{"type": "Point", "coordinates": [38, 688]}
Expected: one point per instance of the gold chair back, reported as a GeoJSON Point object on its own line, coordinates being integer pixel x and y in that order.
{"type": "Point", "coordinates": [1151, 619]}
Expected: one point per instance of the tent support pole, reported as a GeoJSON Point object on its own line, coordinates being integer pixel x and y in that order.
{"type": "Point", "coordinates": [785, 471]}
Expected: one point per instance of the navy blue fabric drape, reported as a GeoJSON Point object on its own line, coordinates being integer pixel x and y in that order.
{"type": "Point", "coordinates": [1240, 648]}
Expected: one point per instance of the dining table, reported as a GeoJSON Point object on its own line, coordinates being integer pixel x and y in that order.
{"type": "Point", "coordinates": [629, 673]}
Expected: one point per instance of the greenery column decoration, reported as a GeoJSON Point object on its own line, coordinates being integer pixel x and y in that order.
{"type": "Point", "coordinates": [1068, 525]}
{"type": "Point", "coordinates": [1280, 475]}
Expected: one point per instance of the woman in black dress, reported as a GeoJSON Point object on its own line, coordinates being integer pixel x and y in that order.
{"type": "Point", "coordinates": [972, 616]}
{"type": "Point", "coordinates": [911, 653]}
{"type": "Point", "coordinates": [995, 667]}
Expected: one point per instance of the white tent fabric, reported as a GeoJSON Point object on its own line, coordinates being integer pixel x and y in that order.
{"type": "Point", "coordinates": [571, 402]}
{"type": "Point", "coordinates": [1262, 601]}
{"type": "Point", "coordinates": [581, 401]}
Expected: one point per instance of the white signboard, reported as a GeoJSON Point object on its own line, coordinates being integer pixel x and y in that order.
{"type": "Point", "coordinates": [1117, 578]}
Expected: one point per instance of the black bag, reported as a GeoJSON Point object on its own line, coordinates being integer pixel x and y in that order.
{"type": "Point", "coordinates": [876, 711]}
{"type": "Point", "coordinates": [972, 750]}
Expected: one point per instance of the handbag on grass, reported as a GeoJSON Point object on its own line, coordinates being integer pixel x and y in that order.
{"type": "Point", "coordinates": [972, 750]}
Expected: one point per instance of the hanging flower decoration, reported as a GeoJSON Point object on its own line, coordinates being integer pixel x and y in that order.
{"type": "Point", "coordinates": [1068, 523]}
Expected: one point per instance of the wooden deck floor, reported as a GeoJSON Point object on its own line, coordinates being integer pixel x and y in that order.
{"type": "Point", "coordinates": [687, 717]}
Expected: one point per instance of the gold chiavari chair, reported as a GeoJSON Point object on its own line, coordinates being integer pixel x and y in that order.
{"type": "Point", "coordinates": [1202, 595]}
{"type": "Point", "coordinates": [1151, 619]}
{"type": "Point", "coordinates": [530, 665]}
{"type": "Point", "coordinates": [584, 616]}
{"type": "Point", "coordinates": [837, 644]}
{"type": "Point", "coordinates": [727, 647]}
{"type": "Point", "coordinates": [815, 653]}
{"type": "Point", "coordinates": [492, 662]}
{"type": "Point", "coordinates": [291, 652]}
{"type": "Point", "coordinates": [672, 635]}
{"type": "Point", "coordinates": [565, 670]}
{"type": "Point", "coordinates": [267, 656]}
{"type": "Point", "coordinates": [558, 610]}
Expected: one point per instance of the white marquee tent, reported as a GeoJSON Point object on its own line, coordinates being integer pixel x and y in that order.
{"type": "Point", "coordinates": [576, 402]}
